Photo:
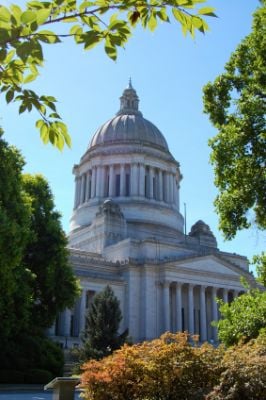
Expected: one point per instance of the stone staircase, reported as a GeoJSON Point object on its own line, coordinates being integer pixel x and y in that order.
{"type": "Point", "coordinates": [69, 363]}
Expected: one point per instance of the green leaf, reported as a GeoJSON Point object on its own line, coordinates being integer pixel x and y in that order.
{"type": "Point", "coordinates": [91, 38]}
{"type": "Point", "coordinates": [179, 16]}
{"type": "Point", "coordinates": [54, 115]}
{"type": "Point", "coordinates": [116, 24]}
{"type": "Point", "coordinates": [22, 108]}
{"type": "Point", "coordinates": [25, 50]}
{"type": "Point", "coordinates": [16, 12]}
{"type": "Point", "coordinates": [42, 15]}
{"type": "Point", "coordinates": [39, 123]}
{"type": "Point", "coordinates": [9, 96]}
{"type": "Point", "coordinates": [207, 11]}
{"type": "Point", "coordinates": [30, 78]}
{"type": "Point", "coordinates": [162, 14]}
{"type": "Point", "coordinates": [110, 49]}
{"type": "Point", "coordinates": [44, 132]}
{"type": "Point", "coordinates": [4, 35]}
{"type": "Point", "coordinates": [4, 14]}
{"type": "Point", "coordinates": [28, 17]}
{"type": "Point", "coordinates": [48, 37]}
{"type": "Point", "coordinates": [152, 22]}
{"type": "Point", "coordinates": [9, 56]}
{"type": "Point", "coordinates": [3, 54]}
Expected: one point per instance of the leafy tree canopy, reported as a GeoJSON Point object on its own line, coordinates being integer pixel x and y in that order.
{"type": "Point", "coordinates": [235, 102]}
{"type": "Point", "coordinates": [14, 233]}
{"type": "Point", "coordinates": [24, 32]}
{"type": "Point", "coordinates": [242, 319]}
{"type": "Point", "coordinates": [46, 257]}
{"type": "Point", "coordinates": [36, 280]}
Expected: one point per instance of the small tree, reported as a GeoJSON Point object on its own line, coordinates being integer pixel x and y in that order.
{"type": "Point", "coordinates": [101, 335]}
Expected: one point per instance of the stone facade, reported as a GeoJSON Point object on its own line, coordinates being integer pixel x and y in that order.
{"type": "Point", "coordinates": [127, 231]}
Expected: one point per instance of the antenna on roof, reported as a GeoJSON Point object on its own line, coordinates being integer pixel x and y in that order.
{"type": "Point", "coordinates": [185, 218]}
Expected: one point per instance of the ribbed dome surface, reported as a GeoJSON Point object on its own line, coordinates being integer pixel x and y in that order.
{"type": "Point", "coordinates": [129, 125]}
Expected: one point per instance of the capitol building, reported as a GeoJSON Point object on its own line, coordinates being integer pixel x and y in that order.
{"type": "Point", "coordinates": [127, 231]}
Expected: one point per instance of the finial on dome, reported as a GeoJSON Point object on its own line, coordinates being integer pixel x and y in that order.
{"type": "Point", "coordinates": [129, 101]}
{"type": "Point", "coordinates": [130, 83]}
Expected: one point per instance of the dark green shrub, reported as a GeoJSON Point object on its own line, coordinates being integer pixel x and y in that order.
{"type": "Point", "coordinates": [11, 376]}
{"type": "Point", "coordinates": [38, 376]}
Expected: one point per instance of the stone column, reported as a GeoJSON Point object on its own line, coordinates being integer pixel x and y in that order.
{"type": "Point", "coordinates": [82, 311]}
{"type": "Point", "coordinates": [98, 181]}
{"type": "Point", "coordinates": [235, 293]}
{"type": "Point", "coordinates": [160, 185]}
{"type": "Point", "coordinates": [93, 182]}
{"type": "Point", "coordinates": [87, 194]}
{"type": "Point", "coordinates": [122, 180]}
{"type": "Point", "coordinates": [111, 181]}
{"type": "Point", "coordinates": [191, 309]}
{"type": "Point", "coordinates": [134, 179]}
{"type": "Point", "coordinates": [177, 195]}
{"type": "Point", "coordinates": [225, 295]}
{"type": "Point", "coordinates": [171, 187]}
{"type": "Point", "coordinates": [142, 180]}
{"type": "Point", "coordinates": [166, 305]}
{"type": "Point", "coordinates": [82, 188]}
{"type": "Point", "coordinates": [214, 312]}
{"type": "Point", "coordinates": [174, 190]}
{"type": "Point", "coordinates": [76, 193]}
{"type": "Point", "coordinates": [203, 315]}
{"type": "Point", "coordinates": [102, 180]}
{"type": "Point", "coordinates": [168, 187]}
{"type": "Point", "coordinates": [151, 183]}
{"type": "Point", "coordinates": [179, 306]}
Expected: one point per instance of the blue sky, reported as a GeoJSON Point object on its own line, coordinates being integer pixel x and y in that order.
{"type": "Point", "coordinates": [168, 71]}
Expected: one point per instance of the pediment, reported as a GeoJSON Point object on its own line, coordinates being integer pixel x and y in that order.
{"type": "Point", "coordinates": [211, 264]}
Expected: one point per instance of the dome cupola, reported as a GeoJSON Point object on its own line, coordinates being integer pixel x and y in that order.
{"type": "Point", "coordinates": [129, 126]}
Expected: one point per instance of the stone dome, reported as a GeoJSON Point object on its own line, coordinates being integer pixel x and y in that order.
{"type": "Point", "coordinates": [129, 126]}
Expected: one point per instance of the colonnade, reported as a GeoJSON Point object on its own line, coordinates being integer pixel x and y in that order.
{"type": "Point", "coordinates": [127, 180]}
{"type": "Point", "coordinates": [184, 307]}
{"type": "Point", "coordinates": [191, 307]}
{"type": "Point", "coordinates": [71, 322]}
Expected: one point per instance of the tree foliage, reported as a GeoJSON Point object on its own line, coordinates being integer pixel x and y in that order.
{"type": "Point", "coordinates": [260, 263]}
{"type": "Point", "coordinates": [14, 233]}
{"type": "Point", "coordinates": [25, 32]}
{"type": "Point", "coordinates": [54, 286]}
{"type": "Point", "coordinates": [172, 367]}
{"type": "Point", "coordinates": [165, 368]}
{"type": "Point", "coordinates": [101, 335]}
{"type": "Point", "coordinates": [242, 319]}
{"type": "Point", "coordinates": [235, 102]}
{"type": "Point", "coordinates": [36, 281]}
{"type": "Point", "coordinates": [244, 372]}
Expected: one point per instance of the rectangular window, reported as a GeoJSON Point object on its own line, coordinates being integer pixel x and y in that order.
{"type": "Point", "coordinates": [117, 185]}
